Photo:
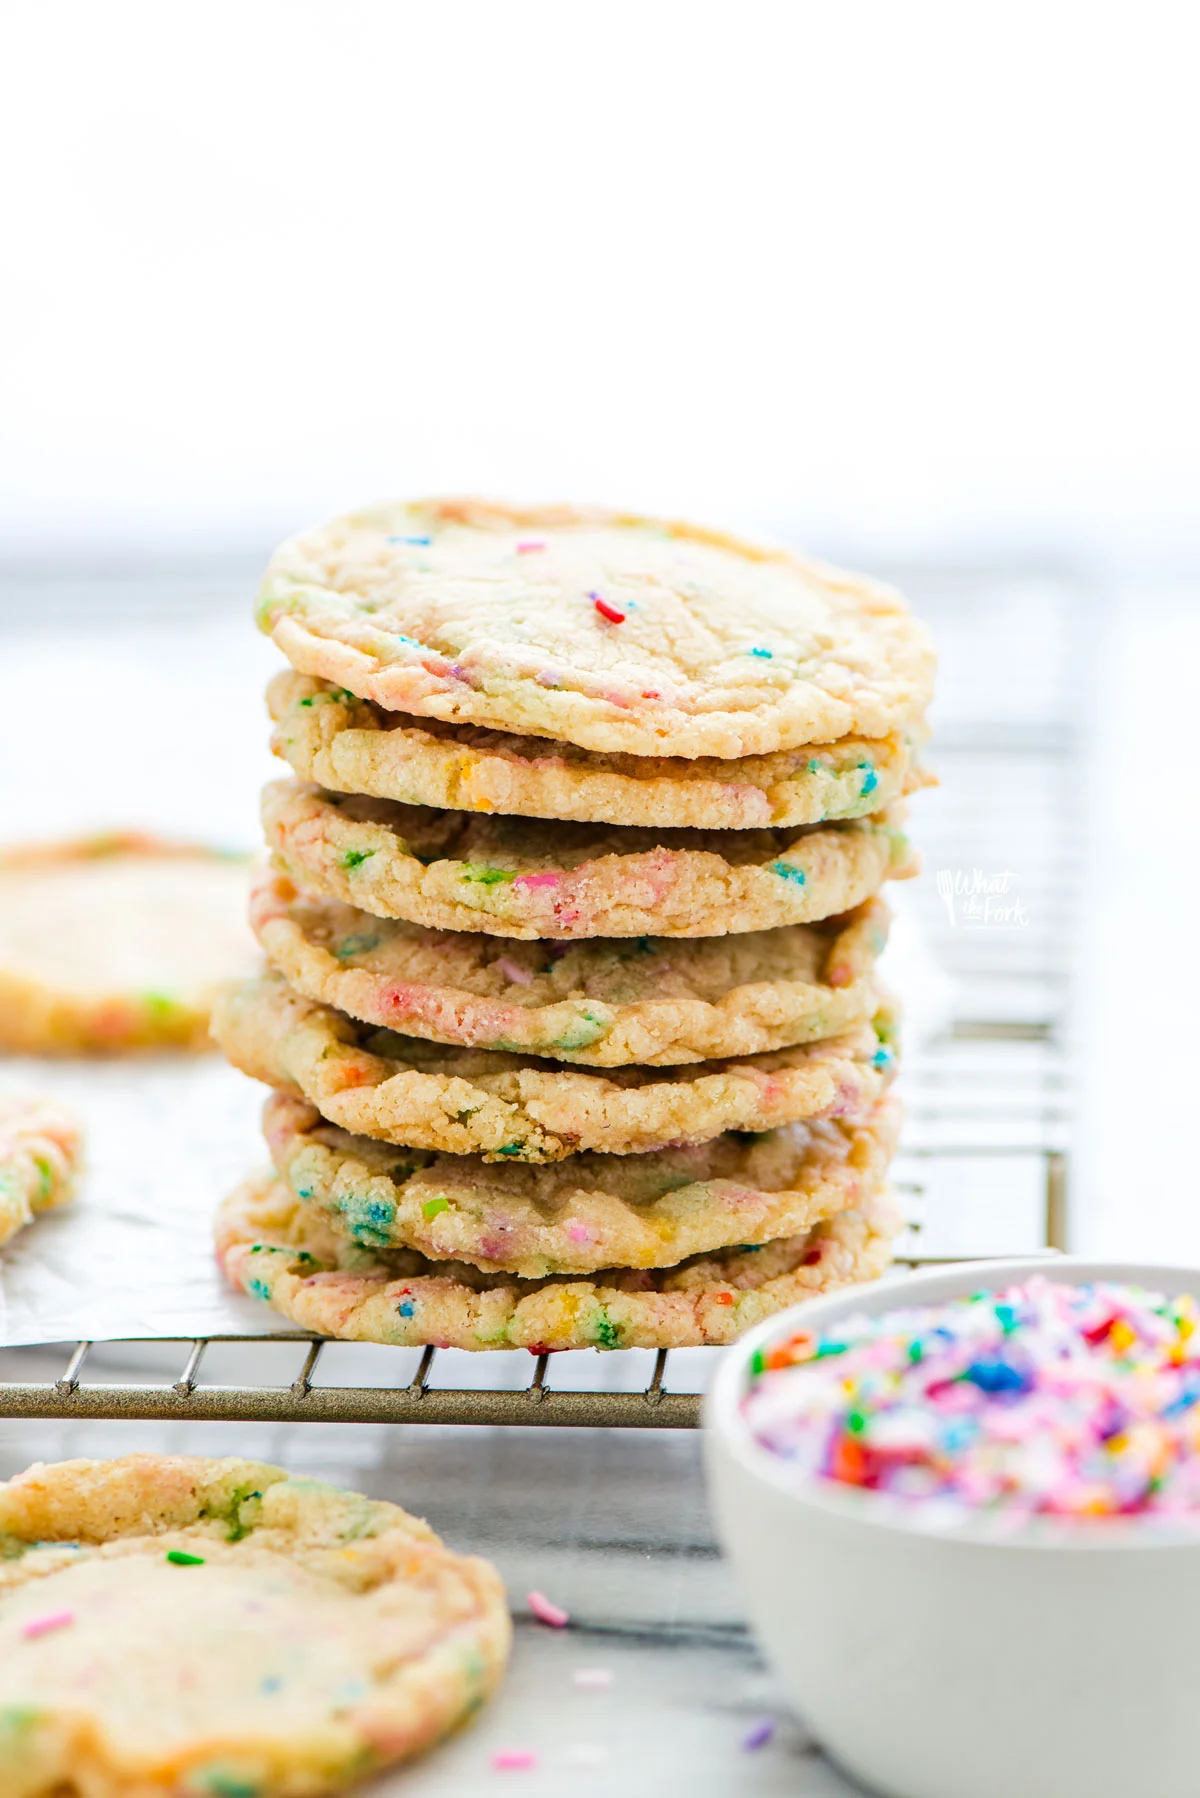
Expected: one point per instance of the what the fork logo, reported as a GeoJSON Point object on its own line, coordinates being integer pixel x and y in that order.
{"type": "Point", "coordinates": [980, 901]}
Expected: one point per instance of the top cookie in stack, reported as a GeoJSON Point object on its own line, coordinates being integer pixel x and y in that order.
{"type": "Point", "coordinates": [574, 791]}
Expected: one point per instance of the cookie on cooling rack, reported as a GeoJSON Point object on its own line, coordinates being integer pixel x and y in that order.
{"type": "Point", "coordinates": [116, 943]}
{"type": "Point", "coordinates": [617, 633]}
{"type": "Point", "coordinates": [171, 1624]}
{"type": "Point", "coordinates": [529, 878]}
{"type": "Point", "coordinates": [40, 1151]}
{"type": "Point", "coordinates": [653, 1001]}
{"type": "Point", "coordinates": [401, 1089]}
{"type": "Point", "coordinates": [343, 743]}
{"type": "Point", "coordinates": [277, 1248]}
{"type": "Point", "coordinates": [588, 1212]}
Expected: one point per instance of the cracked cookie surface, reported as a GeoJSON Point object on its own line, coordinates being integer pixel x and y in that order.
{"type": "Point", "coordinates": [599, 628]}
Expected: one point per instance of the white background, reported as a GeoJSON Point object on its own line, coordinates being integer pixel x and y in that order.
{"type": "Point", "coordinates": [896, 277]}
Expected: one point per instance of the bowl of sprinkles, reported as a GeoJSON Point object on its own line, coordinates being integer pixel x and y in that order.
{"type": "Point", "coordinates": [965, 1511]}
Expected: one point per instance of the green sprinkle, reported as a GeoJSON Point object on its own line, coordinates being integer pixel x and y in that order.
{"type": "Point", "coordinates": [758, 1364]}
{"type": "Point", "coordinates": [177, 1558]}
{"type": "Point", "coordinates": [354, 858]}
{"type": "Point", "coordinates": [607, 1334]}
{"type": "Point", "coordinates": [486, 877]}
{"type": "Point", "coordinates": [160, 1005]}
{"type": "Point", "coordinates": [510, 1148]}
{"type": "Point", "coordinates": [856, 1422]}
{"type": "Point", "coordinates": [432, 1207]}
{"type": "Point", "coordinates": [307, 701]}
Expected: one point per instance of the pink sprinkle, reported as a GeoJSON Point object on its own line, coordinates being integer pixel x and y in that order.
{"type": "Point", "coordinates": [530, 545]}
{"type": "Point", "coordinates": [536, 880]}
{"type": "Point", "coordinates": [593, 1679]}
{"type": "Point", "coordinates": [605, 610]}
{"type": "Point", "coordinates": [512, 970]}
{"type": "Point", "coordinates": [513, 1760]}
{"type": "Point", "coordinates": [41, 1626]}
{"type": "Point", "coordinates": [578, 1233]}
{"type": "Point", "coordinates": [545, 1612]}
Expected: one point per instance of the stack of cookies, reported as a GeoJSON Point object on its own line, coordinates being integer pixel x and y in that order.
{"type": "Point", "coordinates": [571, 918]}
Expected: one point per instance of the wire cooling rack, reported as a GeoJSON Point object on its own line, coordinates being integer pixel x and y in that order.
{"type": "Point", "coordinates": [983, 1171]}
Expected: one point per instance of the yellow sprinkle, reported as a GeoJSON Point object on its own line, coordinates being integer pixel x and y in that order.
{"type": "Point", "coordinates": [1121, 1336]}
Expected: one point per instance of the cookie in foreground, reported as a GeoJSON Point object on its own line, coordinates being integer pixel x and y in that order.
{"type": "Point", "coordinates": [611, 631]}
{"type": "Point", "coordinates": [529, 878]}
{"type": "Point", "coordinates": [278, 1249]}
{"type": "Point", "coordinates": [174, 1626]}
{"type": "Point", "coordinates": [116, 943]}
{"type": "Point", "coordinates": [40, 1151]}
{"type": "Point", "coordinates": [402, 1089]}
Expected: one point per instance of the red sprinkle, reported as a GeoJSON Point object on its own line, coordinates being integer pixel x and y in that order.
{"type": "Point", "coordinates": [605, 610]}
{"type": "Point", "coordinates": [546, 1612]}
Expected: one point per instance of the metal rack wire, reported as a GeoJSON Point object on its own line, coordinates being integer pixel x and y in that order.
{"type": "Point", "coordinates": [984, 1168]}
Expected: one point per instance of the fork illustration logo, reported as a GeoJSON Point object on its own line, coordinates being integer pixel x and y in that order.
{"type": "Point", "coordinates": [980, 901]}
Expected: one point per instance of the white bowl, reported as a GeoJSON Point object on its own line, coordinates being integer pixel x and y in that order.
{"type": "Point", "coordinates": [1047, 1659]}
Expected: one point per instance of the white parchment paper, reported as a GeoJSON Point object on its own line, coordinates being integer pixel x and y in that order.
{"type": "Point", "coordinates": [131, 1256]}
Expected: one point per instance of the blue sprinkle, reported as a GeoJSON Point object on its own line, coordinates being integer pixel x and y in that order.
{"type": "Point", "coordinates": [881, 1058]}
{"type": "Point", "coordinates": [870, 778]}
{"type": "Point", "coordinates": [272, 1684]}
{"type": "Point", "coordinates": [997, 1376]}
{"type": "Point", "coordinates": [421, 542]}
{"type": "Point", "coordinates": [260, 1289]}
{"type": "Point", "coordinates": [303, 1192]}
{"type": "Point", "coordinates": [407, 1309]}
{"type": "Point", "coordinates": [786, 871]}
{"type": "Point", "coordinates": [767, 654]}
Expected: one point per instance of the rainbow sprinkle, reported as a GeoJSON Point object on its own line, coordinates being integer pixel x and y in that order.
{"type": "Point", "coordinates": [1044, 1398]}
{"type": "Point", "coordinates": [547, 1612]}
{"type": "Point", "coordinates": [42, 1626]}
{"type": "Point", "coordinates": [605, 610]}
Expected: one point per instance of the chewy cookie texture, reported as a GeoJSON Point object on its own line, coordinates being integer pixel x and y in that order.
{"type": "Point", "coordinates": [341, 742]}
{"type": "Point", "coordinates": [275, 1247]}
{"type": "Point", "coordinates": [175, 1627]}
{"type": "Point", "coordinates": [505, 1107]}
{"type": "Point", "coordinates": [572, 918]}
{"type": "Point", "coordinates": [646, 1001]}
{"type": "Point", "coordinates": [522, 877]}
{"type": "Point", "coordinates": [588, 1211]}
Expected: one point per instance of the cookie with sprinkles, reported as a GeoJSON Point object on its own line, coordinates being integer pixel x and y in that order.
{"type": "Point", "coordinates": [400, 1089]}
{"type": "Point", "coordinates": [176, 1625]}
{"type": "Point", "coordinates": [277, 1248]}
{"type": "Point", "coordinates": [590, 1211]}
{"type": "Point", "coordinates": [116, 943]}
{"type": "Point", "coordinates": [603, 629]}
{"type": "Point", "coordinates": [347, 745]}
{"type": "Point", "coordinates": [40, 1151]}
{"type": "Point", "coordinates": [529, 879]}
{"type": "Point", "coordinates": [652, 1001]}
